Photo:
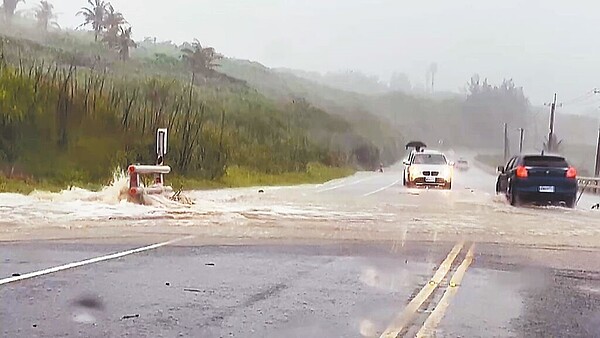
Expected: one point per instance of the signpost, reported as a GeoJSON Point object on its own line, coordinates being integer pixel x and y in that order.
{"type": "Point", "coordinates": [136, 190]}
{"type": "Point", "coordinates": [161, 151]}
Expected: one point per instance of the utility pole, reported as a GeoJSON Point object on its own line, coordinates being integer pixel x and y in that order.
{"type": "Point", "coordinates": [521, 138]}
{"type": "Point", "coordinates": [551, 146]}
{"type": "Point", "coordinates": [433, 68]}
{"type": "Point", "coordinates": [597, 168]}
{"type": "Point", "coordinates": [506, 151]}
{"type": "Point", "coordinates": [551, 135]}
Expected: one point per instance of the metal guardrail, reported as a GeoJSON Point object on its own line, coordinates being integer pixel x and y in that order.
{"type": "Point", "coordinates": [590, 184]}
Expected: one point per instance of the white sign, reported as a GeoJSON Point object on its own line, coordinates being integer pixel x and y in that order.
{"type": "Point", "coordinates": [161, 141]}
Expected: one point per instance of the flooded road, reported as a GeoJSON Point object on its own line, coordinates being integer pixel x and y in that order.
{"type": "Point", "coordinates": [374, 206]}
{"type": "Point", "coordinates": [343, 259]}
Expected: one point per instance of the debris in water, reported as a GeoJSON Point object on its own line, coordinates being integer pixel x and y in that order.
{"type": "Point", "coordinates": [34, 325]}
{"type": "Point", "coordinates": [90, 302]}
{"type": "Point", "coordinates": [168, 284]}
{"type": "Point", "coordinates": [130, 316]}
{"type": "Point", "coordinates": [209, 264]}
{"type": "Point", "coordinates": [178, 197]}
{"type": "Point", "coordinates": [192, 290]}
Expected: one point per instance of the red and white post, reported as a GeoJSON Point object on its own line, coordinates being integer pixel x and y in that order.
{"type": "Point", "coordinates": [136, 190]}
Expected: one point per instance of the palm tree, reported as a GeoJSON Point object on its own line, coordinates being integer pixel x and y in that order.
{"type": "Point", "coordinates": [45, 15]}
{"type": "Point", "coordinates": [125, 42]}
{"type": "Point", "coordinates": [94, 16]}
{"type": "Point", "coordinates": [193, 56]}
{"type": "Point", "coordinates": [200, 59]}
{"type": "Point", "coordinates": [9, 7]}
{"type": "Point", "coordinates": [113, 21]}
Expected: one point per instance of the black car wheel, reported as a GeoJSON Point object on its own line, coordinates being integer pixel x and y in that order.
{"type": "Point", "coordinates": [514, 198]}
{"type": "Point", "coordinates": [571, 202]}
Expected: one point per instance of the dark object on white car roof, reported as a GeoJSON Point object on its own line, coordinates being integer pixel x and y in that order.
{"type": "Point", "coordinates": [418, 145]}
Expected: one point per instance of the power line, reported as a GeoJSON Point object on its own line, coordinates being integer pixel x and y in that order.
{"type": "Point", "coordinates": [582, 98]}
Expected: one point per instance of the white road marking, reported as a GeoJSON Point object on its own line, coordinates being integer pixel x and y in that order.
{"type": "Point", "coordinates": [434, 319]}
{"type": "Point", "coordinates": [333, 182]}
{"type": "Point", "coordinates": [405, 317]}
{"type": "Point", "coordinates": [89, 261]}
{"type": "Point", "coordinates": [347, 184]}
{"type": "Point", "coordinates": [381, 189]}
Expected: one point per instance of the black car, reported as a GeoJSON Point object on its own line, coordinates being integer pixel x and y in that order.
{"type": "Point", "coordinates": [538, 178]}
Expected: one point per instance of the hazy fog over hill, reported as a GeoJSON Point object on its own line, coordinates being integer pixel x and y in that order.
{"type": "Point", "coordinates": [543, 45]}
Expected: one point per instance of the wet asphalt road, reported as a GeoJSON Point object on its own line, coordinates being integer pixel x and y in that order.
{"type": "Point", "coordinates": [315, 284]}
{"type": "Point", "coordinates": [338, 290]}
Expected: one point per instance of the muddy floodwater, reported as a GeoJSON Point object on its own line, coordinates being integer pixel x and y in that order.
{"type": "Point", "coordinates": [366, 206]}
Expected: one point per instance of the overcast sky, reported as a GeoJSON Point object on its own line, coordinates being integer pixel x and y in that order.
{"type": "Point", "coordinates": [545, 46]}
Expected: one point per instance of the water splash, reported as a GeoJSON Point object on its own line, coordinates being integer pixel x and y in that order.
{"type": "Point", "coordinates": [367, 328]}
{"type": "Point", "coordinates": [114, 193]}
{"type": "Point", "coordinates": [109, 203]}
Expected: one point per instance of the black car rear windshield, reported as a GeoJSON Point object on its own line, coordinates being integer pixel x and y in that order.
{"type": "Point", "coordinates": [429, 159]}
{"type": "Point", "coordinates": [545, 161]}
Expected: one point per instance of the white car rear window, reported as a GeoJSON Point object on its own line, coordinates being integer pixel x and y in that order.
{"type": "Point", "coordinates": [429, 159]}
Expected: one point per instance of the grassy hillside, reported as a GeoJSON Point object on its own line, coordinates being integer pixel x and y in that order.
{"type": "Point", "coordinates": [286, 87]}
{"type": "Point", "coordinates": [388, 119]}
{"type": "Point", "coordinates": [71, 112]}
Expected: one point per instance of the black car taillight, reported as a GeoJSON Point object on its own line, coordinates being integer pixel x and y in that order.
{"type": "Point", "coordinates": [571, 172]}
{"type": "Point", "coordinates": [522, 172]}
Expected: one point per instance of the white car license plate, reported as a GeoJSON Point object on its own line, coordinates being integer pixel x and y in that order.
{"type": "Point", "coordinates": [430, 179]}
{"type": "Point", "coordinates": [546, 188]}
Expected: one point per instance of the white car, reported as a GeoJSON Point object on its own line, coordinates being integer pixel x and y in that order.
{"type": "Point", "coordinates": [428, 168]}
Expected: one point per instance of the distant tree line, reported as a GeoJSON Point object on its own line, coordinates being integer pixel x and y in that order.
{"type": "Point", "coordinates": [111, 28]}
{"type": "Point", "coordinates": [487, 107]}
{"type": "Point", "coordinates": [43, 13]}
{"type": "Point", "coordinates": [108, 25]}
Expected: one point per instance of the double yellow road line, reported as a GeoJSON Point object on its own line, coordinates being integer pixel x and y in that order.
{"type": "Point", "coordinates": [404, 319]}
